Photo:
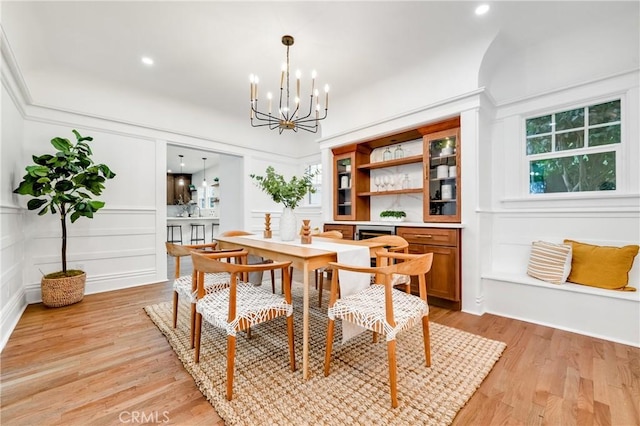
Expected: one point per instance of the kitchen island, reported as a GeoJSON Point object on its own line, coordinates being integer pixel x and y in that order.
{"type": "Point", "coordinates": [211, 224]}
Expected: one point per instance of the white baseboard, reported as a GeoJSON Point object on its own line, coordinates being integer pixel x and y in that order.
{"type": "Point", "coordinates": [11, 314]}
{"type": "Point", "coordinates": [107, 282]}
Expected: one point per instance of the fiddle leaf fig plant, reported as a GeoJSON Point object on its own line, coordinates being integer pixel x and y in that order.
{"type": "Point", "coordinates": [64, 183]}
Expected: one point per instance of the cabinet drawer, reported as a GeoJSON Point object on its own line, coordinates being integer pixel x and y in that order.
{"type": "Point", "coordinates": [347, 231]}
{"type": "Point", "coordinates": [431, 236]}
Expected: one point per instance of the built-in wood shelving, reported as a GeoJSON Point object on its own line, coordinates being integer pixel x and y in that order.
{"type": "Point", "coordinates": [390, 163]}
{"type": "Point", "coordinates": [394, 192]}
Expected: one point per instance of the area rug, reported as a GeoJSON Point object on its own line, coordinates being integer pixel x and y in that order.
{"type": "Point", "coordinates": [356, 391]}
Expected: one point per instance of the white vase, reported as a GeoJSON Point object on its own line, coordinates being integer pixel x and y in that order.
{"type": "Point", "coordinates": [287, 225]}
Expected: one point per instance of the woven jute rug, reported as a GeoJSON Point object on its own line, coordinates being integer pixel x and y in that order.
{"type": "Point", "coordinates": [356, 391]}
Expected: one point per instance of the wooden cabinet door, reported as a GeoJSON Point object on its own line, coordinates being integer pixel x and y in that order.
{"type": "Point", "coordinates": [348, 231]}
{"type": "Point", "coordinates": [443, 278]}
{"type": "Point", "coordinates": [443, 281]}
{"type": "Point", "coordinates": [344, 194]}
{"type": "Point", "coordinates": [174, 189]}
{"type": "Point", "coordinates": [171, 190]}
{"type": "Point", "coordinates": [442, 190]}
{"type": "Point", "coordinates": [348, 181]}
{"type": "Point", "coordinates": [429, 236]}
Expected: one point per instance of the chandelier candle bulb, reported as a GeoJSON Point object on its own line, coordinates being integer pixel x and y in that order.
{"type": "Point", "coordinates": [326, 100]}
{"type": "Point", "coordinates": [255, 89]}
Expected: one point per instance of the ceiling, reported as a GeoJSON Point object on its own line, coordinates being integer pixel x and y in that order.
{"type": "Point", "coordinates": [204, 51]}
{"type": "Point", "coordinates": [192, 159]}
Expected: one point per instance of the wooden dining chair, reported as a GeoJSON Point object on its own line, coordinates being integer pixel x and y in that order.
{"type": "Point", "coordinates": [320, 272]}
{"type": "Point", "coordinates": [252, 259]}
{"type": "Point", "coordinates": [240, 306]}
{"type": "Point", "coordinates": [184, 285]}
{"type": "Point", "coordinates": [395, 244]}
{"type": "Point", "coordinates": [382, 308]}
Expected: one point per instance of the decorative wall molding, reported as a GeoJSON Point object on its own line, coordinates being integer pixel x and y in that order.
{"type": "Point", "coordinates": [13, 69]}
{"type": "Point", "coordinates": [594, 212]}
{"type": "Point", "coordinates": [96, 255]}
{"type": "Point", "coordinates": [128, 210]}
{"type": "Point", "coordinates": [93, 232]}
{"type": "Point", "coordinates": [9, 239]}
{"type": "Point", "coordinates": [508, 104]}
{"type": "Point", "coordinates": [410, 119]}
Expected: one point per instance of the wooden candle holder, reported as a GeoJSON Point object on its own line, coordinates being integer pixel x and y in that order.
{"type": "Point", "coordinates": [305, 236]}
{"type": "Point", "coordinates": [267, 225]}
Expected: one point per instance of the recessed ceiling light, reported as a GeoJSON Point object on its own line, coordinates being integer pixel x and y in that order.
{"type": "Point", "coordinates": [147, 60]}
{"type": "Point", "coordinates": [482, 9]}
{"type": "Point", "coordinates": [169, 171]}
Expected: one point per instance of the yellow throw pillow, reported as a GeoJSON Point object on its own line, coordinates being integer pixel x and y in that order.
{"type": "Point", "coordinates": [601, 266]}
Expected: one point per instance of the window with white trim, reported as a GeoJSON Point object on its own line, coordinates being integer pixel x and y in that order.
{"type": "Point", "coordinates": [574, 150]}
{"type": "Point", "coordinates": [316, 197]}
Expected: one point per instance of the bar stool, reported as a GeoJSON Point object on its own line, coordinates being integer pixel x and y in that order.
{"type": "Point", "coordinates": [213, 228]}
{"type": "Point", "coordinates": [170, 235]}
{"type": "Point", "coordinates": [195, 232]}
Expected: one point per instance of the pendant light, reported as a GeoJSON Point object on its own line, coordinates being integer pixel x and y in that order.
{"type": "Point", "coordinates": [181, 180]}
{"type": "Point", "coordinates": [204, 175]}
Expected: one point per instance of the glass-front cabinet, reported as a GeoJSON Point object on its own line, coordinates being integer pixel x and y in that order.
{"type": "Point", "coordinates": [442, 176]}
{"type": "Point", "coordinates": [348, 181]}
{"type": "Point", "coordinates": [344, 202]}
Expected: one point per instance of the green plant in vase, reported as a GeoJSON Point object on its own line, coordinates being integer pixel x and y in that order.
{"type": "Point", "coordinates": [289, 193]}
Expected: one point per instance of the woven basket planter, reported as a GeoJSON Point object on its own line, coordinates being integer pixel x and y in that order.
{"type": "Point", "coordinates": [57, 292]}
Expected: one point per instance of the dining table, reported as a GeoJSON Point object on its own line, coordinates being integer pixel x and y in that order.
{"type": "Point", "coordinates": [303, 257]}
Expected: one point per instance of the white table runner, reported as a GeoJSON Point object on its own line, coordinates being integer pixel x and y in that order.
{"type": "Point", "coordinates": [350, 282]}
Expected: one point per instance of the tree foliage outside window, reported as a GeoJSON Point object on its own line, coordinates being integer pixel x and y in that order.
{"type": "Point", "coordinates": [315, 198]}
{"type": "Point", "coordinates": [574, 150]}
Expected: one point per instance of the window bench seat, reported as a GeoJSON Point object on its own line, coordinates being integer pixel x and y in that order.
{"type": "Point", "coordinates": [608, 314]}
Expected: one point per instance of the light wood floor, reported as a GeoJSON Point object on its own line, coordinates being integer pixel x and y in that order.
{"type": "Point", "coordinates": [103, 361]}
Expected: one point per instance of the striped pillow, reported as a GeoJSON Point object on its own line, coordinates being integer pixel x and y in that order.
{"type": "Point", "coordinates": [550, 262]}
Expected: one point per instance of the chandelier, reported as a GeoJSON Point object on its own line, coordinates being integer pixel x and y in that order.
{"type": "Point", "coordinates": [288, 115]}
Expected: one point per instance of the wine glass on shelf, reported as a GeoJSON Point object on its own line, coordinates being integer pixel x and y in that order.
{"type": "Point", "coordinates": [378, 181]}
{"type": "Point", "coordinates": [385, 182]}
